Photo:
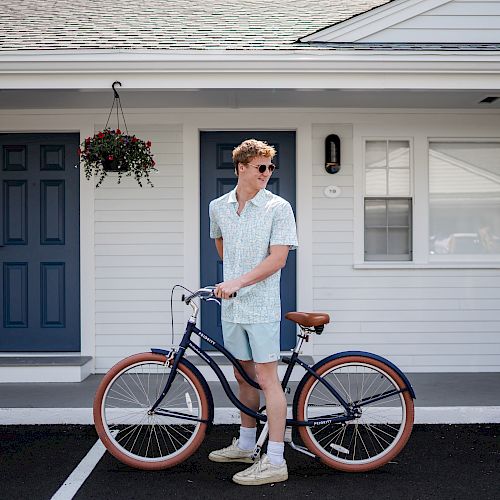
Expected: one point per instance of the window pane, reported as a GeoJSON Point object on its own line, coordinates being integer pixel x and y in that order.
{"type": "Point", "coordinates": [375, 242]}
{"type": "Point", "coordinates": [398, 212]}
{"type": "Point", "coordinates": [376, 182]}
{"type": "Point", "coordinates": [375, 213]}
{"type": "Point", "coordinates": [398, 242]}
{"type": "Point", "coordinates": [464, 196]}
{"type": "Point", "coordinates": [376, 154]}
{"type": "Point", "coordinates": [399, 182]}
{"type": "Point", "coordinates": [392, 241]}
{"type": "Point", "coordinates": [399, 154]}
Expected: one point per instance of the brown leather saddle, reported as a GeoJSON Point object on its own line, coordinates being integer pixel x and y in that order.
{"type": "Point", "coordinates": [308, 320]}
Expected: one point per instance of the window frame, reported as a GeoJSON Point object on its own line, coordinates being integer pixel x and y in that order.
{"type": "Point", "coordinates": [480, 259]}
{"type": "Point", "coordinates": [391, 260]}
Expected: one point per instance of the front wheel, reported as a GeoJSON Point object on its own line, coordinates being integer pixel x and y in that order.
{"type": "Point", "coordinates": [382, 429]}
{"type": "Point", "coordinates": [128, 429]}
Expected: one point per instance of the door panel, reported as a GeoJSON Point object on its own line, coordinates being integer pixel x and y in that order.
{"type": "Point", "coordinates": [40, 242]}
{"type": "Point", "coordinates": [216, 179]}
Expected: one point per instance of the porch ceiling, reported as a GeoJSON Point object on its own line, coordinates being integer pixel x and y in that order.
{"type": "Point", "coordinates": [249, 98]}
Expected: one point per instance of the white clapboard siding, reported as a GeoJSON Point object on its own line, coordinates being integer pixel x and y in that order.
{"type": "Point", "coordinates": [139, 253]}
{"type": "Point", "coordinates": [465, 21]}
{"type": "Point", "coordinates": [421, 319]}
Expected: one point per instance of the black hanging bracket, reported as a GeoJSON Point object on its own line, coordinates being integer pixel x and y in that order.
{"type": "Point", "coordinates": [114, 90]}
{"type": "Point", "coordinates": [116, 99]}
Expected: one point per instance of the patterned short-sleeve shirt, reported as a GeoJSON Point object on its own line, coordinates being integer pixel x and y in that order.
{"type": "Point", "coordinates": [266, 219]}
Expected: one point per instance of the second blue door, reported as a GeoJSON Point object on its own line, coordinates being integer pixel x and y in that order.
{"type": "Point", "coordinates": [217, 178]}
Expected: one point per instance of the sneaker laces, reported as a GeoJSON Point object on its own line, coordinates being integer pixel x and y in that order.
{"type": "Point", "coordinates": [233, 445]}
{"type": "Point", "coordinates": [256, 467]}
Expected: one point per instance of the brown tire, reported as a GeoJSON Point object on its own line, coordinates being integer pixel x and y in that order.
{"type": "Point", "coordinates": [373, 430]}
{"type": "Point", "coordinates": [124, 395]}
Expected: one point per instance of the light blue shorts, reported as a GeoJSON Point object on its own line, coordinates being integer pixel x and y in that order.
{"type": "Point", "coordinates": [259, 342]}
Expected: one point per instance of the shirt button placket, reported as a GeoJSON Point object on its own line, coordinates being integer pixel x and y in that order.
{"type": "Point", "coordinates": [238, 266]}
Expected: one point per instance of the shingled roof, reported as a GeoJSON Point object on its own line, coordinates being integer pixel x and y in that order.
{"type": "Point", "coordinates": [169, 24]}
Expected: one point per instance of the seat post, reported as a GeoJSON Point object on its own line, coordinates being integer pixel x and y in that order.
{"type": "Point", "coordinates": [300, 340]}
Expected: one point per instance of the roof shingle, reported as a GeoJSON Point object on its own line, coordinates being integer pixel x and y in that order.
{"type": "Point", "coordinates": [169, 24]}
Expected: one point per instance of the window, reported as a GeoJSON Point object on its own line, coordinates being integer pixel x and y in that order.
{"type": "Point", "coordinates": [464, 198]}
{"type": "Point", "coordinates": [388, 200]}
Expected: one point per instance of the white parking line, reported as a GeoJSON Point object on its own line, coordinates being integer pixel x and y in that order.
{"type": "Point", "coordinates": [81, 473]}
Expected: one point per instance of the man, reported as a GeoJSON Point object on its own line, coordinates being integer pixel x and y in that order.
{"type": "Point", "coordinates": [254, 231]}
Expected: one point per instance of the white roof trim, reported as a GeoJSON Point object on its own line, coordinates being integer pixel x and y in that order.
{"type": "Point", "coordinates": [373, 21]}
{"type": "Point", "coordinates": [331, 69]}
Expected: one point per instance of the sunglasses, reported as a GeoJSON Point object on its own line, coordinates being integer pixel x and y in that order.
{"type": "Point", "coordinates": [263, 168]}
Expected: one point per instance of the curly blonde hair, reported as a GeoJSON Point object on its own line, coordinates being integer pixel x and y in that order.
{"type": "Point", "coordinates": [249, 149]}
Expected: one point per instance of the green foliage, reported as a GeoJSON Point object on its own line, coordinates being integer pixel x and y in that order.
{"type": "Point", "coordinates": [127, 154]}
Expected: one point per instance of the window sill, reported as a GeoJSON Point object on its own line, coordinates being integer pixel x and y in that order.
{"type": "Point", "coordinates": [428, 265]}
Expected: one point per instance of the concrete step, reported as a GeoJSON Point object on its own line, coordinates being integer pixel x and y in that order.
{"type": "Point", "coordinates": [49, 368]}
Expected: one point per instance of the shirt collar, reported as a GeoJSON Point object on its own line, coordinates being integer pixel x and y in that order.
{"type": "Point", "coordinates": [258, 200]}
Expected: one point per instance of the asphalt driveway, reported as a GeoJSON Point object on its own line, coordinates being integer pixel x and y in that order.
{"type": "Point", "coordinates": [440, 461]}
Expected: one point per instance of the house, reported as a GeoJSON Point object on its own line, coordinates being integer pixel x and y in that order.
{"type": "Point", "coordinates": [401, 246]}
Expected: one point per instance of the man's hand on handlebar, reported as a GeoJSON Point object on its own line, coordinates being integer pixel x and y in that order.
{"type": "Point", "coordinates": [227, 289]}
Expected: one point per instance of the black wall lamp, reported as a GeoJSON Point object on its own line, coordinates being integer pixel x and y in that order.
{"type": "Point", "coordinates": [332, 154]}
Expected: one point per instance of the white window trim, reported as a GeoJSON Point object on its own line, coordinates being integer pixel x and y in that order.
{"type": "Point", "coordinates": [359, 236]}
{"type": "Point", "coordinates": [419, 189]}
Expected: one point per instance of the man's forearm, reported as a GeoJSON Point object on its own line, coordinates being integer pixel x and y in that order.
{"type": "Point", "coordinates": [270, 265]}
{"type": "Point", "coordinates": [275, 261]}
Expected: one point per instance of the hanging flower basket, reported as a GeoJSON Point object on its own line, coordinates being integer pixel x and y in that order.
{"type": "Point", "coordinates": [113, 151]}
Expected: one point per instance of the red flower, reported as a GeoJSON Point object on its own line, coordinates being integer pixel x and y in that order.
{"type": "Point", "coordinates": [79, 151]}
{"type": "Point", "coordinates": [87, 140]}
{"type": "Point", "coordinates": [148, 144]}
{"type": "Point", "coordinates": [100, 135]}
{"type": "Point", "coordinates": [118, 131]}
{"type": "Point", "coordinates": [134, 138]}
{"type": "Point", "coordinates": [154, 163]}
{"type": "Point", "coordinates": [110, 157]}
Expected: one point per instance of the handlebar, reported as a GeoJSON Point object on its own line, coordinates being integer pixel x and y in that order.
{"type": "Point", "coordinates": [204, 293]}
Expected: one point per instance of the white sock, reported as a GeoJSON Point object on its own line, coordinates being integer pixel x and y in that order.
{"type": "Point", "coordinates": [275, 452]}
{"type": "Point", "coordinates": [247, 439]}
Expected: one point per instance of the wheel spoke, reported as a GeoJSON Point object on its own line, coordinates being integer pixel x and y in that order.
{"type": "Point", "coordinates": [125, 407]}
{"type": "Point", "coordinates": [369, 438]}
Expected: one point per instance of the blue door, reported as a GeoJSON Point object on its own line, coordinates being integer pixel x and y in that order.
{"type": "Point", "coordinates": [39, 242]}
{"type": "Point", "coordinates": [217, 178]}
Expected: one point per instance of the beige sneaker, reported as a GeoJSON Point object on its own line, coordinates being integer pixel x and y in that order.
{"type": "Point", "coordinates": [231, 454]}
{"type": "Point", "coordinates": [262, 472]}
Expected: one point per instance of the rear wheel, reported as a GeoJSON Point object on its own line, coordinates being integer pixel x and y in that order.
{"type": "Point", "coordinates": [381, 431]}
{"type": "Point", "coordinates": [143, 440]}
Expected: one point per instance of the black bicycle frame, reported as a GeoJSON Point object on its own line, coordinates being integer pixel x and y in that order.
{"type": "Point", "coordinates": [186, 342]}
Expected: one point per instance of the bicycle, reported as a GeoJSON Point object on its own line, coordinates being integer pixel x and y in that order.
{"type": "Point", "coordinates": [353, 410]}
